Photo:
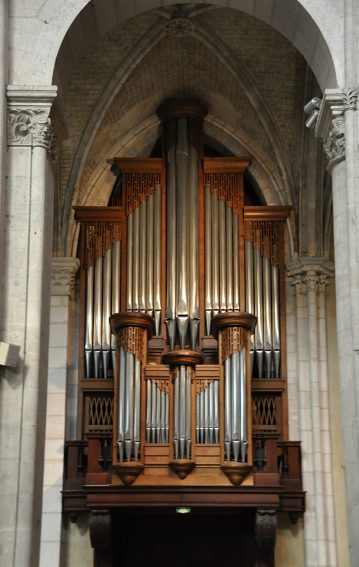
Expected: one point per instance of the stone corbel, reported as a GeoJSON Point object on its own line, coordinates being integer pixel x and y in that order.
{"type": "Point", "coordinates": [28, 116]}
{"type": "Point", "coordinates": [330, 123]}
{"type": "Point", "coordinates": [265, 532]}
{"type": "Point", "coordinates": [63, 272]}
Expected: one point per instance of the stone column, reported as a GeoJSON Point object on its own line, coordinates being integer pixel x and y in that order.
{"type": "Point", "coordinates": [338, 127]}
{"type": "Point", "coordinates": [310, 277]}
{"type": "Point", "coordinates": [63, 273]}
{"type": "Point", "coordinates": [25, 289]}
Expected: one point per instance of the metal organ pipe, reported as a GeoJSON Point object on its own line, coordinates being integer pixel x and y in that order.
{"type": "Point", "coordinates": [142, 256]}
{"type": "Point", "coordinates": [157, 257]}
{"type": "Point", "coordinates": [97, 331]}
{"type": "Point", "coordinates": [89, 321]}
{"type": "Point", "coordinates": [192, 251]}
{"type": "Point", "coordinates": [208, 258]}
{"type": "Point", "coordinates": [106, 329]}
{"type": "Point", "coordinates": [171, 247]}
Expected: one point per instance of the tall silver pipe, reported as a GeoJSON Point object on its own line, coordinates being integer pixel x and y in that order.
{"type": "Point", "coordinates": [222, 256]}
{"type": "Point", "coordinates": [149, 255]}
{"type": "Point", "coordinates": [229, 254]}
{"type": "Point", "coordinates": [243, 401]}
{"type": "Point", "coordinates": [235, 399]}
{"type": "Point", "coordinates": [129, 403]}
{"type": "Point", "coordinates": [121, 403]}
{"type": "Point", "coordinates": [216, 411]}
{"type": "Point", "coordinates": [171, 247]}
{"type": "Point", "coordinates": [153, 411]}
{"type": "Point", "coordinates": [182, 412]}
{"type": "Point", "coordinates": [106, 329]}
{"type": "Point", "coordinates": [206, 415]}
{"type": "Point", "coordinates": [97, 331]}
{"type": "Point", "coordinates": [211, 411]}
{"type": "Point", "coordinates": [227, 407]}
{"type": "Point", "coordinates": [158, 415]}
{"type": "Point", "coordinates": [157, 254]}
{"type": "Point", "coordinates": [188, 435]}
{"type": "Point", "coordinates": [198, 410]}
{"type": "Point", "coordinates": [136, 260]}
{"type": "Point", "coordinates": [249, 290]}
{"type": "Point", "coordinates": [182, 162]}
{"type": "Point", "coordinates": [163, 418]}
{"type": "Point", "coordinates": [176, 428]}
{"type": "Point", "coordinates": [137, 408]}
{"type": "Point", "coordinates": [267, 316]}
{"type": "Point", "coordinates": [142, 284]}
{"type": "Point", "coordinates": [215, 255]}
{"type": "Point", "coordinates": [116, 284]}
{"type": "Point", "coordinates": [167, 403]}
{"type": "Point", "coordinates": [192, 251]}
{"type": "Point", "coordinates": [148, 410]}
{"type": "Point", "coordinates": [258, 337]}
{"type": "Point", "coordinates": [235, 264]}
{"type": "Point", "coordinates": [129, 261]}
{"type": "Point", "coordinates": [208, 257]}
{"type": "Point", "coordinates": [89, 320]}
{"type": "Point", "coordinates": [276, 320]}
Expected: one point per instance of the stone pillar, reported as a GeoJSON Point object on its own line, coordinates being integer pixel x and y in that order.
{"type": "Point", "coordinates": [25, 290]}
{"type": "Point", "coordinates": [63, 272]}
{"type": "Point", "coordinates": [338, 127]}
{"type": "Point", "coordinates": [310, 277]}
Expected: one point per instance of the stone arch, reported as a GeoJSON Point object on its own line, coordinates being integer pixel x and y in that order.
{"type": "Point", "coordinates": [307, 25]}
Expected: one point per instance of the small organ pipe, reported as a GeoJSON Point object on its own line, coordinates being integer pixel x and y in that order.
{"type": "Point", "coordinates": [176, 414]}
{"type": "Point", "coordinates": [211, 411]}
{"type": "Point", "coordinates": [188, 437]}
{"type": "Point", "coordinates": [249, 287]}
{"type": "Point", "coordinates": [106, 329]}
{"type": "Point", "coordinates": [182, 411]}
{"type": "Point", "coordinates": [129, 399]}
{"type": "Point", "coordinates": [216, 411]}
{"type": "Point", "coordinates": [148, 410]}
{"type": "Point", "coordinates": [235, 399]}
{"type": "Point", "coordinates": [137, 407]}
{"type": "Point", "coordinates": [121, 403]}
{"type": "Point", "coordinates": [243, 398]}
{"type": "Point", "coordinates": [227, 407]}
{"type": "Point", "coordinates": [153, 411]}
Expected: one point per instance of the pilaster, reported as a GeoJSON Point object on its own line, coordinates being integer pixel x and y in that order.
{"type": "Point", "coordinates": [339, 120]}
{"type": "Point", "coordinates": [310, 278]}
{"type": "Point", "coordinates": [25, 285]}
{"type": "Point", "coordinates": [63, 272]}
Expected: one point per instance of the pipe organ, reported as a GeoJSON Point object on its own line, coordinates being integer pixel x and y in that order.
{"type": "Point", "coordinates": [190, 281]}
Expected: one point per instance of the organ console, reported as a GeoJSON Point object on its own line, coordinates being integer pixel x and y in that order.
{"type": "Point", "coordinates": [182, 358]}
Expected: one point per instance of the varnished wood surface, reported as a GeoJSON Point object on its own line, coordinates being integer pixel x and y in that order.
{"type": "Point", "coordinates": [233, 319]}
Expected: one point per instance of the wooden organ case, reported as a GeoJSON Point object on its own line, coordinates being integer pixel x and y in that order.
{"type": "Point", "coordinates": [182, 357]}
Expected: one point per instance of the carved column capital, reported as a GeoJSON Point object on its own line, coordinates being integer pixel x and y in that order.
{"type": "Point", "coordinates": [63, 272]}
{"type": "Point", "coordinates": [310, 274]}
{"type": "Point", "coordinates": [29, 123]}
{"type": "Point", "coordinates": [350, 98]}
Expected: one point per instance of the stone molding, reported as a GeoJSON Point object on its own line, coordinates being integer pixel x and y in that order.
{"type": "Point", "coordinates": [63, 272]}
{"type": "Point", "coordinates": [310, 274]}
{"type": "Point", "coordinates": [29, 123]}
